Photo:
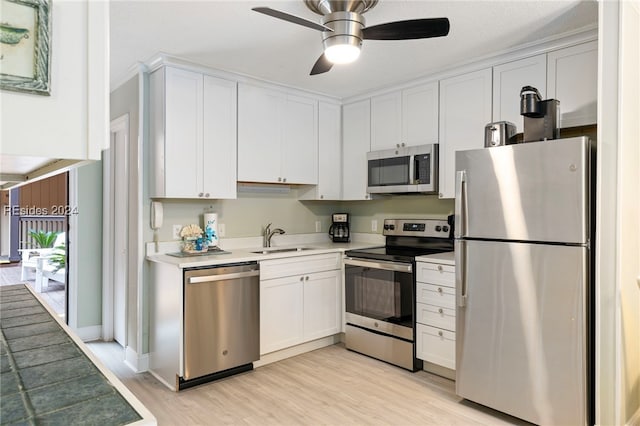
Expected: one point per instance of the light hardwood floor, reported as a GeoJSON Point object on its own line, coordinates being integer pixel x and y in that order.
{"type": "Point", "coordinates": [329, 386]}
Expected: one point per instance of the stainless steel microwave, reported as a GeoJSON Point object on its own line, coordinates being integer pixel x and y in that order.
{"type": "Point", "coordinates": [412, 169]}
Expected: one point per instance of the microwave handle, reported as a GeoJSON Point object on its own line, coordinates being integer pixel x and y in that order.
{"type": "Point", "coordinates": [412, 170]}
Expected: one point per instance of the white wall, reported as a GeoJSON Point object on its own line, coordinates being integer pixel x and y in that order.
{"type": "Point", "coordinates": [618, 231]}
{"type": "Point", "coordinates": [72, 122]}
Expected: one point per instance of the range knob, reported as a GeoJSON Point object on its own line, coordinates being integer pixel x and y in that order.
{"type": "Point", "coordinates": [445, 228]}
{"type": "Point", "coordinates": [438, 228]}
{"type": "Point", "coordinates": [386, 226]}
{"type": "Point", "coordinates": [392, 227]}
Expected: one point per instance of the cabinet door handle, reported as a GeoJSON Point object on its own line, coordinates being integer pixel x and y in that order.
{"type": "Point", "coordinates": [440, 268]}
{"type": "Point", "coordinates": [321, 197]}
{"type": "Point", "coordinates": [279, 179]}
{"type": "Point", "coordinates": [440, 333]}
{"type": "Point", "coordinates": [306, 278]}
{"type": "Point", "coordinates": [440, 290]}
{"type": "Point", "coordinates": [284, 179]}
{"type": "Point", "coordinates": [206, 195]}
{"type": "Point", "coordinates": [200, 194]}
{"type": "Point", "coordinates": [440, 311]}
{"type": "Point", "coordinates": [301, 278]}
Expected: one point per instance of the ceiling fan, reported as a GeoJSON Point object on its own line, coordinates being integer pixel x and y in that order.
{"type": "Point", "coordinates": [343, 29]}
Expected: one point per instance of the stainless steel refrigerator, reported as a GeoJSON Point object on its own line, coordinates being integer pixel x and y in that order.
{"type": "Point", "coordinates": [523, 245]}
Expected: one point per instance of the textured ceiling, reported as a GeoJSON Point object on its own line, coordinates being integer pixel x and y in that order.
{"type": "Point", "coordinates": [227, 35]}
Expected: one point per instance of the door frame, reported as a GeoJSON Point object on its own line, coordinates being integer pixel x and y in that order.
{"type": "Point", "coordinates": [120, 124]}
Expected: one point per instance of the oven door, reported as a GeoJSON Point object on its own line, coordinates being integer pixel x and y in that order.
{"type": "Point", "coordinates": [379, 296]}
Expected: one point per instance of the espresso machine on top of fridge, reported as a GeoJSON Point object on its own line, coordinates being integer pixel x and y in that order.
{"type": "Point", "coordinates": [339, 230]}
{"type": "Point", "coordinates": [524, 291]}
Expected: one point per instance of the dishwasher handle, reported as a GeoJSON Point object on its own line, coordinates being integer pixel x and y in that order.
{"type": "Point", "coordinates": [223, 277]}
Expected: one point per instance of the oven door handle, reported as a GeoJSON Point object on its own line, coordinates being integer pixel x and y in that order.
{"type": "Point", "coordinates": [387, 266]}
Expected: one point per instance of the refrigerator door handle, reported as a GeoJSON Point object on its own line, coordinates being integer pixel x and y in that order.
{"type": "Point", "coordinates": [460, 211]}
{"type": "Point", "coordinates": [461, 276]}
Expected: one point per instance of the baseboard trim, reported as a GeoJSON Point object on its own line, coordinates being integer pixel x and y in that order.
{"type": "Point", "coordinates": [139, 364]}
{"type": "Point", "coordinates": [89, 334]}
{"type": "Point", "coordinates": [296, 350]}
{"type": "Point", "coordinates": [635, 419]}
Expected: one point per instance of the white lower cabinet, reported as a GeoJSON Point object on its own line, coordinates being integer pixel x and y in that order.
{"type": "Point", "coordinates": [300, 300]}
{"type": "Point", "coordinates": [436, 314]}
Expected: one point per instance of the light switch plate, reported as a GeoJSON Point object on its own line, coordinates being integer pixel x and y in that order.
{"type": "Point", "coordinates": [318, 226]}
{"type": "Point", "coordinates": [374, 225]}
{"type": "Point", "coordinates": [221, 230]}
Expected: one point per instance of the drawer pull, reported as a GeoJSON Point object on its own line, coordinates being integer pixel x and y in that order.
{"type": "Point", "coordinates": [440, 290]}
{"type": "Point", "coordinates": [440, 268]}
{"type": "Point", "coordinates": [440, 311]}
{"type": "Point", "coordinates": [440, 333]}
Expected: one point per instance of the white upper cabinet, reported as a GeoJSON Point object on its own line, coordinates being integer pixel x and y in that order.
{"type": "Point", "coordinates": [420, 114]}
{"type": "Point", "coordinates": [277, 137]}
{"type": "Point", "coordinates": [405, 118]}
{"type": "Point", "coordinates": [329, 155]}
{"type": "Point", "coordinates": [300, 140]}
{"type": "Point", "coordinates": [192, 131]}
{"type": "Point", "coordinates": [465, 109]}
{"type": "Point", "coordinates": [356, 142]}
{"type": "Point", "coordinates": [572, 78]}
{"type": "Point", "coordinates": [386, 121]}
{"type": "Point", "coordinates": [220, 137]}
{"type": "Point", "coordinates": [509, 79]}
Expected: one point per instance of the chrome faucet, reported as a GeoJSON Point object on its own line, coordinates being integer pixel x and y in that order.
{"type": "Point", "coordinates": [268, 233]}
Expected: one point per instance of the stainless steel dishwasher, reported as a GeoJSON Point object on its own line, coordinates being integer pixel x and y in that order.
{"type": "Point", "coordinates": [221, 321]}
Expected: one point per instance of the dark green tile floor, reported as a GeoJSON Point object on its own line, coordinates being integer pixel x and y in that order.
{"type": "Point", "coordinates": [44, 377]}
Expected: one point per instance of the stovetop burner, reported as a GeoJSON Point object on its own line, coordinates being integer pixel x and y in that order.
{"type": "Point", "coordinates": [409, 238]}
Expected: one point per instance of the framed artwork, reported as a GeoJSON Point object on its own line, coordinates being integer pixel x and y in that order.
{"type": "Point", "coordinates": [25, 40]}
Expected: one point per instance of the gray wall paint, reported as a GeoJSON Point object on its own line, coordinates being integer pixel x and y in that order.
{"type": "Point", "coordinates": [89, 268]}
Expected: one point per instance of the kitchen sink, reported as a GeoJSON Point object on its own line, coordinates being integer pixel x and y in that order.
{"type": "Point", "coordinates": [281, 250]}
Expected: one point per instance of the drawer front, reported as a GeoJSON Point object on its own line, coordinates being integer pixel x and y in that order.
{"type": "Point", "coordinates": [298, 265]}
{"type": "Point", "coordinates": [436, 346]}
{"type": "Point", "coordinates": [437, 295]}
{"type": "Point", "coordinates": [436, 316]}
{"type": "Point", "coordinates": [435, 273]}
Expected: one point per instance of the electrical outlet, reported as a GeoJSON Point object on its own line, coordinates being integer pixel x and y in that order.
{"type": "Point", "coordinates": [221, 230]}
{"type": "Point", "coordinates": [374, 225]}
{"type": "Point", "coordinates": [318, 226]}
{"type": "Point", "coordinates": [176, 231]}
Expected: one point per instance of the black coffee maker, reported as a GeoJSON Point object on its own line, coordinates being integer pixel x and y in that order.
{"type": "Point", "coordinates": [339, 230]}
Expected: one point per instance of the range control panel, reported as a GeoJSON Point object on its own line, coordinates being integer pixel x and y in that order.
{"type": "Point", "coordinates": [416, 227]}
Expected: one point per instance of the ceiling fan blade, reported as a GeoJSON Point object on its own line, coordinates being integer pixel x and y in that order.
{"type": "Point", "coordinates": [291, 18]}
{"type": "Point", "coordinates": [408, 30]}
{"type": "Point", "coordinates": [322, 65]}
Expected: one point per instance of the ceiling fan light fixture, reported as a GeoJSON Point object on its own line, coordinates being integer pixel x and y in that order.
{"type": "Point", "coordinates": [342, 53]}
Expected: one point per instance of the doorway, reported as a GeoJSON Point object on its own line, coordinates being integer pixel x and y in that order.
{"type": "Point", "coordinates": [35, 227]}
{"type": "Point", "coordinates": [116, 173]}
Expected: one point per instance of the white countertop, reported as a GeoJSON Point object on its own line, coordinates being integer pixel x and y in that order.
{"type": "Point", "coordinates": [447, 258]}
{"type": "Point", "coordinates": [246, 255]}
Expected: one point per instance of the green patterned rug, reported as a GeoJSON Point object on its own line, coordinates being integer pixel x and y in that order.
{"type": "Point", "coordinates": [45, 376]}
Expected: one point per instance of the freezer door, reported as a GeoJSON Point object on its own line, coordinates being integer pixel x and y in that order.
{"type": "Point", "coordinates": [521, 334]}
{"type": "Point", "coordinates": [537, 191]}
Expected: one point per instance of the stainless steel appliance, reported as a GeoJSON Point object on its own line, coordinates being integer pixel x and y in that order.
{"type": "Point", "coordinates": [339, 229]}
{"type": "Point", "coordinates": [380, 289]}
{"type": "Point", "coordinates": [221, 322]}
{"type": "Point", "coordinates": [412, 169]}
{"type": "Point", "coordinates": [541, 118]}
{"type": "Point", "coordinates": [524, 265]}
{"type": "Point", "coordinates": [498, 133]}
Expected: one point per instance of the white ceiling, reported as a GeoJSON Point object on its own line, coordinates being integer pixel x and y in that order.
{"type": "Point", "coordinates": [227, 35]}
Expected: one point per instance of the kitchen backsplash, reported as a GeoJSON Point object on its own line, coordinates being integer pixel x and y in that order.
{"type": "Point", "coordinates": [246, 215]}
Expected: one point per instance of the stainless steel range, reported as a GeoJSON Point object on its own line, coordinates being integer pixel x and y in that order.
{"type": "Point", "coordinates": [380, 289]}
